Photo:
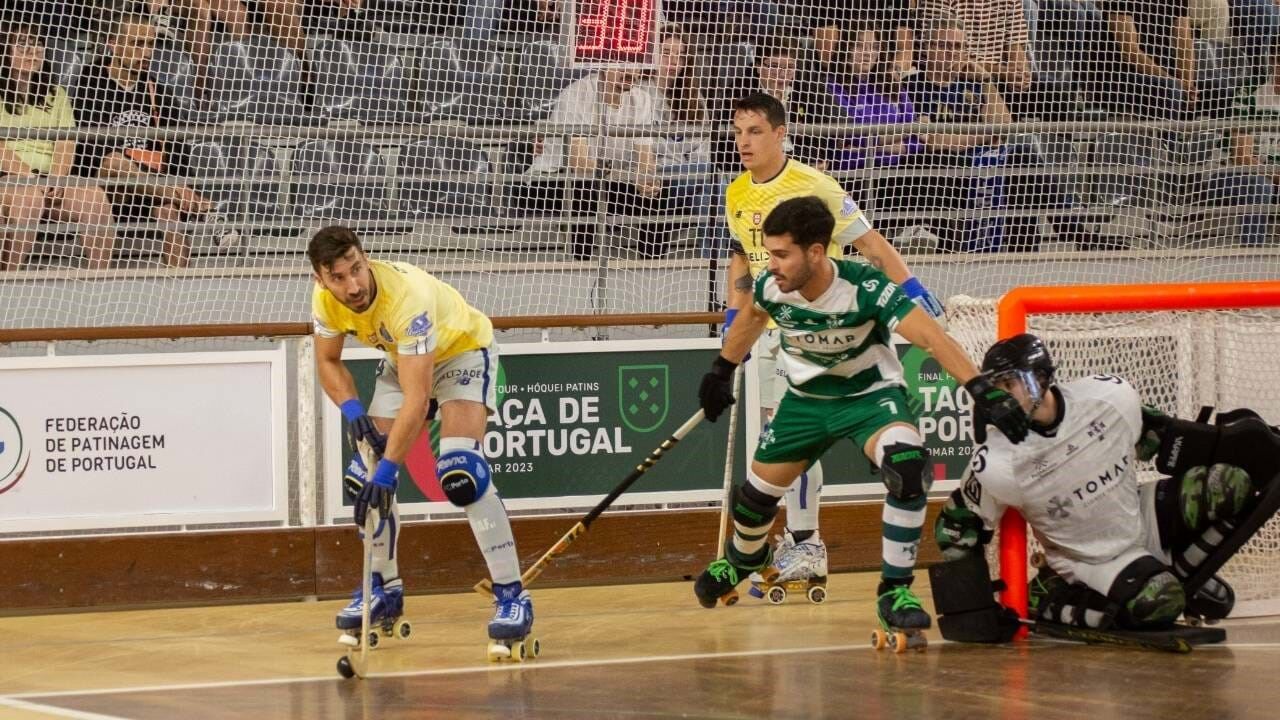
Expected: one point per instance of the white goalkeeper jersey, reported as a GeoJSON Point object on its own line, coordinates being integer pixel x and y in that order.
{"type": "Point", "coordinates": [1076, 484]}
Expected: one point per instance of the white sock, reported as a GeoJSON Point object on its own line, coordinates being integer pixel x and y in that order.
{"type": "Point", "coordinates": [385, 539]}
{"type": "Point", "coordinates": [489, 523]}
{"type": "Point", "coordinates": [802, 500]}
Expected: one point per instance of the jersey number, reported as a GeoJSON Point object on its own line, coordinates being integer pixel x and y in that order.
{"type": "Point", "coordinates": [889, 405]}
{"type": "Point", "coordinates": [1107, 378]}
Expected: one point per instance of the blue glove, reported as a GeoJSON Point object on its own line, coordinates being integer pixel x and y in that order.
{"type": "Point", "coordinates": [378, 492]}
{"type": "Point", "coordinates": [360, 428]}
{"type": "Point", "coordinates": [729, 315]}
{"type": "Point", "coordinates": [925, 299]}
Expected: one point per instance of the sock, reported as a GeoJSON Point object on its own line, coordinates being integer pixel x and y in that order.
{"type": "Point", "coordinates": [901, 525]}
{"type": "Point", "coordinates": [385, 536]}
{"type": "Point", "coordinates": [756, 498]}
{"type": "Point", "coordinates": [489, 523]}
{"type": "Point", "coordinates": [802, 503]}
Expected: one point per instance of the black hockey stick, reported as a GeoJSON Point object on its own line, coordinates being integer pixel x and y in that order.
{"type": "Point", "coordinates": [485, 587]}
{"type": "Point", "coordinates": [1178, 639]}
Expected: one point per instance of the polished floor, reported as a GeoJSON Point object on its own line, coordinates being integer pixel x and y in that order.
{"type": "Point", "coordinates": [644, 651]}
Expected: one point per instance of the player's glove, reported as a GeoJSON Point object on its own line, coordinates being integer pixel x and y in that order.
{"type": "Point", "coordinates": [355, 477]}
{"type": "Point", "coordinates": [995, 406]}
{"type": "Point", "coordinates": [360, 428]}
{"type": "Point", "coordinates": [729, 315]}
{"type": "Point", "coordinates": [716, 393]}
{"type": "Point", "coordinates": [378, 492]}
{"type": "Point", "coordinates": [925, 299]}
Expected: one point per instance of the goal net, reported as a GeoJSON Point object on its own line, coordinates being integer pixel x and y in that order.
{"type": "Point", "coordinates": [1179, 360]}
{"type": "Point", "coordinates": [166, 160]}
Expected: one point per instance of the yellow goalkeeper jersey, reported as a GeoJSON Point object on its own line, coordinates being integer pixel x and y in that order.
{"type": "Point", "coordinates": [413, 313]}
{"type": "Point", "coordinates": [748, 203]}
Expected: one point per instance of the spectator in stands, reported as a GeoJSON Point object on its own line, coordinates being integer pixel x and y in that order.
{"type": "Point", "coordinates": [1148, 66]}
{"type": "Point", "coordinates": [30, 99]}
{"type": "Point", "coordinates": [621, 171]}
{"type": "Point", "coordinates": [1244, 183]}
{"type": "Point", "coordinates": [946, 92]}
{"type": "Point", "coordinates": [117, 91]}
{"type": "Point", "coordinates": [688, 180]}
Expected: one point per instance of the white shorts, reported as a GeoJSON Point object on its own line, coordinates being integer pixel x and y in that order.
{"type": "Point", "coordinates": [773, 378]}
{"type": "Point", "coordinates": [1100, 576]}
{"type": "Point", "coordinates": [471, 376]}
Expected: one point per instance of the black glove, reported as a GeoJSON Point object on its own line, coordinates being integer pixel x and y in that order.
{"type": "Point", "coordinates": [995, 406]}
{"type": "Point", "coordinates": [362, 429]}
{"type": "Point", "coordinates": [716, 393]}
{"type": "Point", "coordinates": [377, 493]}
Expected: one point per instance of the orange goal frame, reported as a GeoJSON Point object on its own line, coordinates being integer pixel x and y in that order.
{"type": "Point", "coordinates": [1011, 319]}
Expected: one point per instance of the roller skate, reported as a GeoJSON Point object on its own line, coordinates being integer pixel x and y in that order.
{"type": "Point", "coordinates": [797, 568]}
{"type": "Point", "coordinates": [902, 620]}
{"type": "Point", "coordinates": [1211, 603]}
{"type": "Point", "coordinates": [510, 630]}
{"type": "Point", "coordinates": [385, 616]}
{"type": "Point", "coordinates": [719, 582]}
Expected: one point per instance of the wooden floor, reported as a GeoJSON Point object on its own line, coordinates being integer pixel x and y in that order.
{"type": "Point", "coordinates": [618, 652]}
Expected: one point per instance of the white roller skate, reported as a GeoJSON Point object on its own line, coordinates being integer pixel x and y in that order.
{"type": "Point", "coordinates": [510, 630]}
{"type": "Point", "coordinates": [797, 567]}
{"type": "Point", "coordinates": [385, 616]}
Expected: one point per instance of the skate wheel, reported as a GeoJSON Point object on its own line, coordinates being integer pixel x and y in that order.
{"type": "Point", "coordinates": [402, 629]}
{"type": "Point", "coordinates": [534, 647]}
{"type": "Point", "coordinates": [817, 594]}
{"type": "Point", "coordinates": [917, 642]}
{"type": "Point", "coordinates": [777, 595]}
{"type": "Point", "coordinates": [373, 639]}
{"type": "Point", "coordinates": [878, 639]}
{"type": "Point", "coordinates": [730, 598]}
{"type": "Point", "coordinates": [518, 652]}
{"type": "Point", "coordinates": [344, 667]}
{"type": "Point", "coordinates": [899, 642]}
{"type": "Point", "coordinates": [348, 640]}
{"type": "Point", "coordinates": [498, 651]}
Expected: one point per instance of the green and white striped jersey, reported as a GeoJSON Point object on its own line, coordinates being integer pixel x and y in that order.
{"type": "Point", "coordinates": [838, 345]}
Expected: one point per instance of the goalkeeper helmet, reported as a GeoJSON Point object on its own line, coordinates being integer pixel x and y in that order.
{"type": "Point", "coordinates": [1024, 357]}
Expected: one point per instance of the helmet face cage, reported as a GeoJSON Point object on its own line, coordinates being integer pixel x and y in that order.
{"type": "Point", "coordinates": [1031, 380]}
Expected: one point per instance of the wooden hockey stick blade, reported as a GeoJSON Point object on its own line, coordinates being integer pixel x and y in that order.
{"type": "Point", "coordinates": [485, 587]}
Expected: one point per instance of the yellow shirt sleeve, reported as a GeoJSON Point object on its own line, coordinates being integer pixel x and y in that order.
{"type": "Point", "coordinates": [320, 318]}
{"type": "Point", "coordinates": [851, 222]}
{"type": "Point", "coordinates": [63, 114]}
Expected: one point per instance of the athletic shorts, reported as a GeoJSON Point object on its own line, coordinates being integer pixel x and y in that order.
{"type": "Point", "coordinates": [773, 378]}
{"type": "Point", "coordinates": [471, 376]}
{"type": "Point", "coordinates": [1099, 576]}
{"type": "Point", "coordinates": [804, 428]}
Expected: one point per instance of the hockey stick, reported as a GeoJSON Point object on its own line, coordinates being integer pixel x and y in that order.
{"type": "Point", "coordinates": [358, 663]}
{"type": "Point", "coordinates": [485, 587]}
{"type": "Point", "coordinates": [1178, 639]}
{"type": "Point", "coordinates": [725, 500]}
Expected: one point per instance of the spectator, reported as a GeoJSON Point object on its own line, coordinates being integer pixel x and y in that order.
{"type": "Point", "coordinates": [117, 91]}
{"type": "Point", "coordinates": [619, 170]}
{"type": "Point", "coordinates": [688, 180]}
{"type": "Point", "coordinates": [946, 92]}
{"type": "Point", "coordinates": [30, 99]}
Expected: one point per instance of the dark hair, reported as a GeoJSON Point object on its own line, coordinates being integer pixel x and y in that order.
{"type": "Point", "coordinates": [684, 98]}
{"type": "Point", "coordinates": [765, 104]}
{"type": "Point", "coordinates": [806, 219]}
{"type": "Point", "coordinates": [331, 244]}
{"type": "Point", "coordinates": [129, 17]}
{"type": "Point", "coordinates": [775, 46]}
{"type": "Point", "coordinates": [40, 88]}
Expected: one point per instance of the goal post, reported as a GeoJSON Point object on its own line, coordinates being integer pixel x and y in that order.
{"type": "Point", "coordinates": [1013, 317]}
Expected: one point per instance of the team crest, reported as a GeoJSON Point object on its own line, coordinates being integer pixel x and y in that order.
{"type": "Point", "coordinates": [755, 219]}
{"type": "Point", "coordinates": [848, 206]}
{"type": "Point", "coordinates": [643, 396]}
{"type": "Point", "coordinates": [386, 335]}
{"type": "Point", "coordinates": [420, 325]}
{"type": "Point", "coordinates": [15, 456]}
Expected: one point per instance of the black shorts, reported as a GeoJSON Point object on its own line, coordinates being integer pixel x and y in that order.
{"type": "Point", "coordinates": [128, 205]}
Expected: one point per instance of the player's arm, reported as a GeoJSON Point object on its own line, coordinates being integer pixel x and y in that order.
{"type": "Point", "coordinates": [334, 376]}
{"type": "Point", "coordinates": [740, 285]}
{"type": "Point", "coordinates": [883, 256]}
{"type": "Point", "coordinates": [743, 334]}
{"type": "Point", "coordinates": [990, 403]}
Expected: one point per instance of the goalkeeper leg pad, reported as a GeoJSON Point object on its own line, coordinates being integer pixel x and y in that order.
{"type": "Point", "coordinates": [963, 597]}
{"type": "Point", "coordinates": [1149, 595]}
{"type": "Point", "coordinates": [1196, 562]}
{"type": "Point", "coordinates": [1240, 438]}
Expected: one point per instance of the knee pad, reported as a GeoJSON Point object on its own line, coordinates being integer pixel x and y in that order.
{"type": "Point", "coordinates": [1238, 437]}
{"type": "Point", "coordinates": [906, 469]}
{"type": "Point", "coordinates": [753, 508]}
{"type": "Point", "coordinates": [1204, 495]}
{"type": "Point", "coordinates": [1148, 593]}
{"type": "Point", "coordinates": [464, 476]}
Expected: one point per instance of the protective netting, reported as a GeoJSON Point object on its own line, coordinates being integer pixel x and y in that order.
{"type": "Point", "coordinates": [192, 146]}
{"type": "Point", "coordinates": [1178, 361]}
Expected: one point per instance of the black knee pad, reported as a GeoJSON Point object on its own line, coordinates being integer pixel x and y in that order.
{"type": "Point", "coordinates": [906, 470]}
{"type": "Point", "coordinates": [1148, 594]}
{"type": "Point", "coordinates": [752, 507]}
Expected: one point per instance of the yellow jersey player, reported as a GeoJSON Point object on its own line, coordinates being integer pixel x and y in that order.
{"type": "Point", "coordinates": [759, 126]}
{"type": "Point", "coordinates": [440, 351]}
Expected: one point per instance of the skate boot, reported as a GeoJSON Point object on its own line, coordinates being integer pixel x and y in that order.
{"type": "Point", "coordinates": [902, 619]}
{"type": "Point", "coordinates": [720, 580]}
{"type": "Point", "coordinates": [1210, 603]}
{"type": "Point", "coordinates": [512, 624]}
{"type": "Point", "coordinates": [385, 615]}
{"type": "Point", "coordinates": [797, 567]}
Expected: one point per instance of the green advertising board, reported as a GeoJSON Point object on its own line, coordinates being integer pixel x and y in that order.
{"type": "Point", "coordinates": [574, 419]}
